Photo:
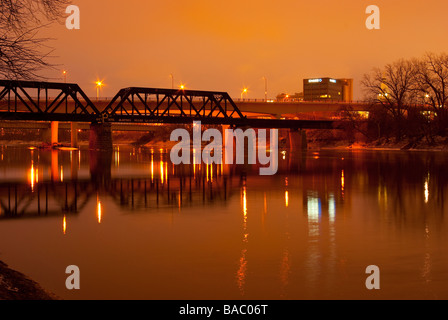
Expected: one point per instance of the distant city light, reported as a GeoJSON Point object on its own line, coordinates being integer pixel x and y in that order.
{"type": "Point", "coordinates": [333, 80]}
{"type": "Point", "coordinates": [314, 80]}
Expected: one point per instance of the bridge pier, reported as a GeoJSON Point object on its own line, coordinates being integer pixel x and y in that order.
{"type": "Point", "coordinates": [50, 135]}
{"type": "Point", "coordinates": [54, 132]}
{"type": "Point", "coordinates": [297, 140]}
{"type": "Point", "coordinates": [74, 134]}
{"type": "Point", "coordinates": [100, 136]}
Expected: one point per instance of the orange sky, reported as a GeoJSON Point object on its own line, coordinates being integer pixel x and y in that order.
{"type": "Point", "coordinates": [226, 45]}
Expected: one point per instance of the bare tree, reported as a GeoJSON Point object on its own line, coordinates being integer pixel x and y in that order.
{"type": "Point", "coordinates": [392, 88]}
{"type": "Point", "coordinates": [432, 83]}
{"type": "Point", "coordinates": [22, 53]}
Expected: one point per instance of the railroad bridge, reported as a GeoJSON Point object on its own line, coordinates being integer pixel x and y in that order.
{"type": "Point", "coordinates": [33, 101]}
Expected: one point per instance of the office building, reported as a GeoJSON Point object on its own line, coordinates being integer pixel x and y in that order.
{"type": "Point", "coordinates": [328, 89]}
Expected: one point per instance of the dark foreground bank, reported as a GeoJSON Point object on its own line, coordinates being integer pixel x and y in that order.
{"type": "Point", "coordinates": [16, 286]}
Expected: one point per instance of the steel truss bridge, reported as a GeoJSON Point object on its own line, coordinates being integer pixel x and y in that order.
{"type": "Point", "coordinates": [51, 101]}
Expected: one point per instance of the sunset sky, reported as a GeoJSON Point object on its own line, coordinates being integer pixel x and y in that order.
{"type": "Point", "coordinates": [228, 45]}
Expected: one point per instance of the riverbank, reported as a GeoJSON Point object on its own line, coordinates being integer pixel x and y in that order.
{"type": "Point", "coordinates": [322, 141]}
{"type": "Point", "coordinates": [17, 286]}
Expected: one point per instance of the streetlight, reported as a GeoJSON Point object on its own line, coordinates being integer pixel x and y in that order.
{"type": "Point", "coordinates": [182, 87]}
{"type": "Point", "coordinates": [243, 92]}
{"type": "Point", "coordinates": [99, 84]}
{"type": "Point", "coordinates": [265, 89]}
{"type": "Point", "coordinates": [172, 81]}
{"type": "Point", "coordinates": [64, 73]}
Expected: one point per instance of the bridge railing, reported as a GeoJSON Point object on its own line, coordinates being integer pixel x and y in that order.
{"type": "Point", "coordinates": [300, 101]}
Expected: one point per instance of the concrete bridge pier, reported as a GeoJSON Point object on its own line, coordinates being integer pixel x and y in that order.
{"type": "Point", "coordinates": [297, 140]}
{"type": "Point", "coordinates": [50, 135]}
{"type": "Point", "coordinates": [100, 136]}
{"type": "Point", "coordinates": [54, 132]}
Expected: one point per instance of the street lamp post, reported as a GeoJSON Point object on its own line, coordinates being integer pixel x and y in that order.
{"type": "Point", "coordinates": [265, 89]}
{"type": "Point", "coordinates": [243, 92]}
{"type": "Point", "coordinates": [172, 81]}
{"type": "Point", "coordinates": [64, 72]}
{"type": "Point", "coordinates": [99, 84]}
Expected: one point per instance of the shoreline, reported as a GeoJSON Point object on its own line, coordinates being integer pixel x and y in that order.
{"type": "Point", "coordinates": [440, 145]}
{"type": "Point", "coordinates": [373, 148]}
{"type": "Point", "coordinates": [15, 285]}
{"type": "Point", "coordinates": [312, 145]}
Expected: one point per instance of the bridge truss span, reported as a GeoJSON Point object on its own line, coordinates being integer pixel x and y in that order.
{"type": "Point", "coordinates": [136, 104]}
{"type": "Point", "coordinates": [45, 101]}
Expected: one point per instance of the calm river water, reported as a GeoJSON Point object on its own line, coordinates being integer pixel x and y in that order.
{"type": "Point", "coordinates": [140, 228]}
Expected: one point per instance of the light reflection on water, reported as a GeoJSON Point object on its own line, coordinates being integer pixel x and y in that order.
{"type": "Point", "coordinates": [140, 228]}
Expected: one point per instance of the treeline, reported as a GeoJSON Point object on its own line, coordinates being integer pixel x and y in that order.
{"type": "Point", "coordinates": [407, 98]}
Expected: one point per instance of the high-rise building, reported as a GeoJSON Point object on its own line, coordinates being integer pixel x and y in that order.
{"type": "Point", "coordinates": [328, 89]}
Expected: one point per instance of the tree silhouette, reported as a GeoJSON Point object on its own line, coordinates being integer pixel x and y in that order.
{"type": "Point", "coordinates": [392, 88]}
{"type": "Point", "coordinates": [22, 53]}
{"type": "Point", "coordinates": [432, 82]}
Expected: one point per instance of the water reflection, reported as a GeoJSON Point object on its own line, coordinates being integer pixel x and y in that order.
{"type": "Point", "coordinates": [242, 268]}
{"type": "Point", "coordinates": [98, 208]}
{"type": "Point", "coordinates": [122, 175]}
{"type": "Point", "coordinates": [308, 224]}
{"type": "Point", "coordinates": [64, 224]}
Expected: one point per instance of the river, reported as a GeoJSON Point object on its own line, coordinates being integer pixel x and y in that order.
{"type": "Point", "coordinates": [139, 227]}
